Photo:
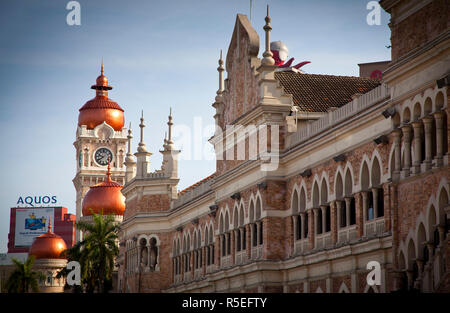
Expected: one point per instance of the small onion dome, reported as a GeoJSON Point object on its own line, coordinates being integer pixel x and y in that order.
{"type": "Point", "coordinates": [104, 198]}
{"type": "Point", "coordinates": [48, 245]}
{"type": "Point", "coordinates": [101, 109]}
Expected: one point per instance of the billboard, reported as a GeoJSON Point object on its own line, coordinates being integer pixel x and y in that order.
{"type": "Point", "coordinates": [30, 223]}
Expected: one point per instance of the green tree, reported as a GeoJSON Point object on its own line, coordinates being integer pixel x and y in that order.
{"type": "Point", "coordinates": [23, 278]}
{"type": "Point", "coordinates": [96, 252]}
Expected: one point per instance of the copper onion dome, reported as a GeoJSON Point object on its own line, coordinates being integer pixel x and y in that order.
{"type": "Point", "coordinates": [48, 245]}
{"type": "Point", "coordinates": [104, 198]}
{"type": "Point", "coordinates": [101, 108]}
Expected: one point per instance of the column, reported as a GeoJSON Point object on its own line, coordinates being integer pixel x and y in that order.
{"type": "Point", "coordinates": [339, 214]}
{"type": "Point", "coordinates": [303, 217]}
{"type": "Point", "coordinates": [139, 259]}
{"type": "Point", "coordinates": [406, 129]}
{"type": "Point", "coordinates": [348, 202]}
{"type": "Point", "coordinates": [428, 124]}
{"type": "Point", "coordinates": [316, 220]}
{"type": "Point", "coordinates": [397, 153]}
{"type": "Point", "coordinates": [294, 228]}
{"type": "Point", "coordinates": [324, 218]}
{"type": "Point", "coordinates": [417, 128]}
{"type": "Point", "coordinates": [439, 118]}
{"type": "Point", "coordinates": [365, 200]}
{"type": "Point", "coordinates": [311, 228]}
{"type": "Point", "coordinates": [333, 221]}
{"type": "Point", "coordinates": [248, 237]}
{"type": "Point", "coordinates": [375, 202]}
{"type": "Point", "coordinates": [148, 256]}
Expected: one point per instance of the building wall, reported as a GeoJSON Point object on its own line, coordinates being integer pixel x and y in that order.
{"type": "Point", "coordinates": [378, 159]}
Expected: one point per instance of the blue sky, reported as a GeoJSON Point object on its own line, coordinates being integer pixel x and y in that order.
{"type": "Point", "coordinates": [157, 54]}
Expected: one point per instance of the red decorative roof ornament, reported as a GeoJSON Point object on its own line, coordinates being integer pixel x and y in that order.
{"type": "Point", "coordinates": [280, 54]}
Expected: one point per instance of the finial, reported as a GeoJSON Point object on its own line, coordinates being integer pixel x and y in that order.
{"type": "Point", "coordinates": [130, 136]}
{"type": "Point", "coordinates": [170, 123]}
{"type": "Point", "coordinates": [141, 146]}
{"type": "Point", "coordinates": [268, 55]}
{"type": "Point", "coordinates": [49, 224]}
{"type": "Point", "coordinates": [108, 172]}
{"type": "Point", "coordinates": [101, 71]}
{"type": "Point", "coordinates": [220, 69]}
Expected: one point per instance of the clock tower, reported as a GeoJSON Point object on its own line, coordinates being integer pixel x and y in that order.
{"type": "Point", "coordinates": [100, 136]}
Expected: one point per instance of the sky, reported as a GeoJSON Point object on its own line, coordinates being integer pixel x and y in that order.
{"type": "Point", "coordinates": [157, 55]}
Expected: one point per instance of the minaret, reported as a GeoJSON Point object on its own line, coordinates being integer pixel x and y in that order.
{"type": "Point", "coordinates": [142, 155]}
{"type": "Point", "coordinates": [170, 155]}
{"type": "Point", "coordinates": [130, 163]}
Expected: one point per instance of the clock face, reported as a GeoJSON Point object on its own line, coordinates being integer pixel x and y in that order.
{"type": "Point", "coordinates": [102, 155]}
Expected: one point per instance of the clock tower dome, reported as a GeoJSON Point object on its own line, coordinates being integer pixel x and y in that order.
{"type": "Point", "coordinates": [100, 136]}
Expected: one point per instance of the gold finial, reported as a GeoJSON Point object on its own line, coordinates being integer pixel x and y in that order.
{"type": "Point", "coordinates": [101, 71]}
{"type": "Point", "coordinates": [49, 224]}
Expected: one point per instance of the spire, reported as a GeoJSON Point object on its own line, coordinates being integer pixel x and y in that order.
{"type": "Point", "coordinates": [101, 71]}
{"type": "Point", "coordinates": [220, 69]}
{"type": "Point", "coordinates": [170, 123]}
{"type": "Point", "coordinates": [130, 136]}
{"type": "Point", "coordinates": [268, 55]}
{"type": "Point", "coordinates": [141, 146]}
{"type": "Point", "coordinates": [49, 224]}
{"type": "Point", "coordinates": [165, 141]}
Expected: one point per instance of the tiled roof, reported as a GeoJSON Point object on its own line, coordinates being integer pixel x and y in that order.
{"type": "Point", "coordinates": [101, 103]}
{"type": "Point", "coordinates": [317, 93]}
{"type": "Point", "coordinates": [196, 184]}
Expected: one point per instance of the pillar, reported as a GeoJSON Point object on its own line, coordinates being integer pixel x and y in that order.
{"type": "Point", "coordinates": [397, 153]}
{"type": "Point", "coordinates": [406, 129]}
{"type": "Point", "coordinates": [303, 221]}
{"type": "Point", "coordinates": [439, 118]}
{"type": "Point", "coordinates": [428, 124]}
{"type": "Point", "coordinates": [417, 128]}
{"type": "Point", "coordinates": [324, 218]}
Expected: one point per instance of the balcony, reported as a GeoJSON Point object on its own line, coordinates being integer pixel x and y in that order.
{"type": "Point", "coordinates": [210, 269]}
{"type": "Point", "coordinates": [347, 234]}
{"type": "Point", "coordinates": [331, 119]}
{"type": "Point", "coordinates": [323, 241]}
{"type": "Point", "coordinates": [256, 252]}
{"type": "Point", "coordinates": [300, 246]}
{"type": "Point", "coordinates": [374, 227]}
{"type": "Point", "coordinates": [198, 273]}
{"type": "Point", "coordinates": [225, 261]}
{"type": "Point", "coordinates": [241, 257]}
{"type": "Point", "coordinates": [177, 279]}
{"type": "Point", "coordinates": [187, 276]}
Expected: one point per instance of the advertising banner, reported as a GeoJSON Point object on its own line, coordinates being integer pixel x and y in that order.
{"type": "Point", "coordinates": [30, 223]}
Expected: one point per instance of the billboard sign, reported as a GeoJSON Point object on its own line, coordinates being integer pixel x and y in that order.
{"type": "Point", "coordinates": [30, 223]}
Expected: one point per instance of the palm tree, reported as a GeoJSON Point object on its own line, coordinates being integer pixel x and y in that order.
{"type": "Point", "coordinates": [96, 252]}
{"type": "Point", "coordinates": [23, 277]}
